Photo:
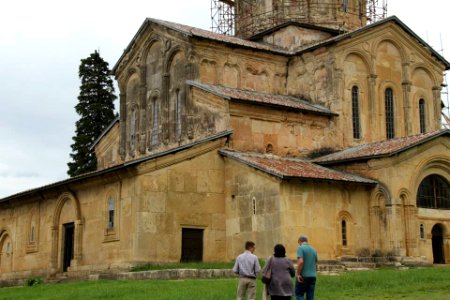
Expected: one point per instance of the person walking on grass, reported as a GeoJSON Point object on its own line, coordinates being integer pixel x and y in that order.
{"type": "Point", "coordinates": [247, 267]}
{"type": "Point", "coordinates": [306, 270]}
{"type": "Point", "coordinates": [282, 271]}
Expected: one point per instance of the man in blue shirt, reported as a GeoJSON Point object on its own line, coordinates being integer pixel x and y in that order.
{"type": "Point", "coordinates": [306, 270]}
{"type": "Point", "coordinates": [247, 267]}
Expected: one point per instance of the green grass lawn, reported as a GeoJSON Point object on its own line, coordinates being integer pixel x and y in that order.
{"type": "Point", "coordinates": [429, 283]}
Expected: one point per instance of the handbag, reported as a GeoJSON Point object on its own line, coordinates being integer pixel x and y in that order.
{"type": "Point", "coordinates": [267, 274]}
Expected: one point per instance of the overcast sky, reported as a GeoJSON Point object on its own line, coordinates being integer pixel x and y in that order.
{"type": "Point", "coordinates": [42, 42]}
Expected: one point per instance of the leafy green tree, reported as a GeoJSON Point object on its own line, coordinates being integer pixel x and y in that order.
{"type": "Point", "coordinates": [96, 109]}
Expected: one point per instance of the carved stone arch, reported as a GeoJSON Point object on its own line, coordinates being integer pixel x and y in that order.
{"type": "Point", "coordinates": [424, 67]}
{"type": "Point", "coordinates": [363, 56]}
{"type": "Point", "coordinates": [400, 48]}
{"type": "Point", "coordinates": [405, 196]}
{"type": "Point", "coordinates": [170, 55]}
{"type": "Point", "coordinates": [228, 81]}
{"type": "Point", "coordinates": [435, 165]}
{"type": "Point", "coordinates": [380, 191]}
{"type": "Point", "coordinates": [209, 70]}
{"type": "Point", "coordinates": [132, 72]}
{"type": "Point", "coordinates": [345, 232]}
{"type": "Point", "coordinates": [55, 266]}
{"type": "Point", "coordinates": [148, 45]}
{"type": "Point", "coordinates": [6, 259]}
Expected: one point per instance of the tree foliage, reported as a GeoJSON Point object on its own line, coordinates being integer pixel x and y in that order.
{"type": "Point", "coordinates": [96, 110]}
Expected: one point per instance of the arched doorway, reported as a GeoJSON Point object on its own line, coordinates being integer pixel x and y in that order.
{"type": "Point", "coordinates": [66, 234]}
{"type": "Point", "coordinates": [437, 237]}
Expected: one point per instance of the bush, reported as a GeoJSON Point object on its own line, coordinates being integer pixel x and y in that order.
{"type": "Point", "coordinates": [33, 281]}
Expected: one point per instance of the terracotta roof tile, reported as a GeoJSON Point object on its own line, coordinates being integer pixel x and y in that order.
{"type": "Point", "coordinates": [286, 168]}
{"type": "Point", "coordinates": [262, 98]}
{"type": "Point", "coordinates": [380, 149]}
{"type": "Point", "coordinates": [193, 31]}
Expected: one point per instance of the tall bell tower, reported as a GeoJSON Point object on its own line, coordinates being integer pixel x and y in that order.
{"type": "Point", "coordinates": [247, 18]}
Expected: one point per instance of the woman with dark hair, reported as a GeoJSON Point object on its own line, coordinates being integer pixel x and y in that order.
{"type": "Point", "coordinates": [282, 270]}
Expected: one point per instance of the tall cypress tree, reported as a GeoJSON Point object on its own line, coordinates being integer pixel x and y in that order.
{"type": "Point", "coordinates": [96, 109]}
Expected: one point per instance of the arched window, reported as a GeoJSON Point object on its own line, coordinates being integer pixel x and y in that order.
{"type": "Point", "coordinates": [389, 107]}
{"type": "Point", "coordinates": [422, 231]}
{"type": "Point", "coordinates": [155, 122]}
{"type": "Point", "coordinates": [355, 113]}
{"type": "Point", "coordinates": [344, 233]}
{"type": "Point", "coordinates": [179, 111]}
{"type": "Point", "coordinates": [423, 126]}
{"type": "Point", "coordinates": [434, 192]}
{"type": "Point", "coordinates": [133, 128]}
{"type": "Point", "coordinates": [111, 212]}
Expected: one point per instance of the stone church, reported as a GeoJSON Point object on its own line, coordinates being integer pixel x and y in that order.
{"type": "Point", "coordinates": [312, 118]}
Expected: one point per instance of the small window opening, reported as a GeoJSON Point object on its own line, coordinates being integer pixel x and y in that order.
{"type": "Point", "coordinates": [254, 205]}
{"type": "Point", "coordinates": [423, 127]}
{"type": "Point", "coordinates": [389, 110]}
{"type": "Point", "coordinates": [344, 233]}
{"type": "Point", "coordinates": [422, 231]}
{"type": "Point", "coordinates": [269, 148]}
{"type": "Point", "coordinates": [32, 234]}
{"type": "Point", "coordinates": [111, 210]}
{"type": "Point", "coordinates": [355, 113]}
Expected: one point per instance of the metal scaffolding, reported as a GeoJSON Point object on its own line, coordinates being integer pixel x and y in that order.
{"type": "Point", "coordinates": [222, 16]}
{"type": "Point", "coordinates": [224, 13]}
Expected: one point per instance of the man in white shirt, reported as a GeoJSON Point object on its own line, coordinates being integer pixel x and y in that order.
{"type": "Point", "coordinates": [247, 267]}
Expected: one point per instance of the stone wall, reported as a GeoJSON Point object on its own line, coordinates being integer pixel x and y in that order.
{"type": "Point", "coordinates": [252, 204]}
{"type": "Point", "coordinates": [317, 209]}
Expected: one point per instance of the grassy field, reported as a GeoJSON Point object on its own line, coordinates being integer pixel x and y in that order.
{"type": "Point", "coordinates": [429, 284]}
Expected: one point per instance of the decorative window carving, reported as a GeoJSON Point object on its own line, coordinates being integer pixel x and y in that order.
{"type": "Point", "coordinates": [423, 126]}
{"type": "Point", "coordinates": [434, 192]}
{"type": "Point", "coordinates": [155, 123]}
{"type": "Point", "coordinates": [422, 231]}
{"type": "Point", "coordinates": [33, 232]}
{"type": "Point", "coordinates": [344, 233]}
{"type": "Point", "coordinates": [133, 128]}
{"type": "Point", "coordinates": [389, 110]}
{"type": "Point", "coordinates": [355, 113]}
{"type": "Point", "coordinates": [178, 112]}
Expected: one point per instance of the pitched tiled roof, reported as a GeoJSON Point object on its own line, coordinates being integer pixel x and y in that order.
{"type": "Point", "coordinates": [231, 40]}
{"type": "Point", "coordinates": [116, 168]}
{"type": "Point", "coordinates": [193, 31]}
{"type": "Point", "coordinates": [262, 98]}
{"type": "Point", "coordinates": [380, 149]}
{"type": "Point", "coordinates": [287, 168]}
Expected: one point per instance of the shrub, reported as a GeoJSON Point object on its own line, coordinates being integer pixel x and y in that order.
{"type": "Point", "coordinates": [33, 281]}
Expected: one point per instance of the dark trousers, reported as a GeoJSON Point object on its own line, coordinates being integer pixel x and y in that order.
{"type": "Point", "coordinates": [307, 286]}
{"type": "Point", "coordinates": [280, 297]}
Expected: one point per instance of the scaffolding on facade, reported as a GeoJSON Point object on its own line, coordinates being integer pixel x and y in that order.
{"type": "Point", "coordinates": [224, 14]}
